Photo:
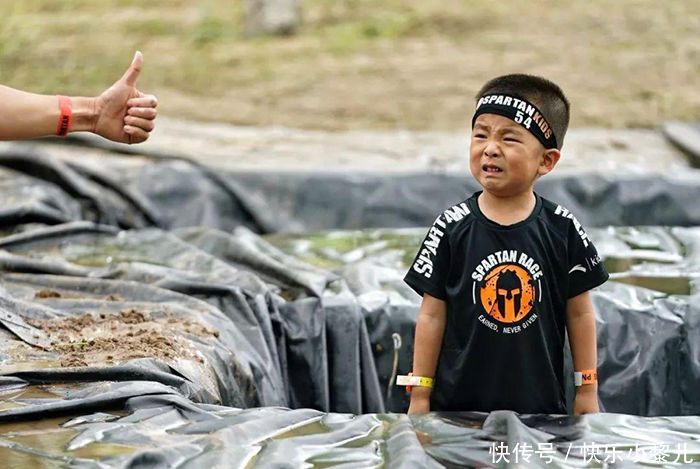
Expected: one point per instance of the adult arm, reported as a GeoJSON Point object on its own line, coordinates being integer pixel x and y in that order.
{"type": "Point", "coordinates": [430, 328]}
{"type": "Point", "coordinates": [121, 113]}
{"type": "Point", "coordinates": [580, 323]}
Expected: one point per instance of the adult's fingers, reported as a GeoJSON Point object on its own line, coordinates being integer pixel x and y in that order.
{"type": "Point", "coordinates": [147, 100]}
{"type": "Point", "coordinates": [144, 112]}
{"type": "Point", "coordinates": [132, 73]}
{"type": "Point", "coordinates": [136, 135]}
{"type": "Point", "coordinates": [144, 124]}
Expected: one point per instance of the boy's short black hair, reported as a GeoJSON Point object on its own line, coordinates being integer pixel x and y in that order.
{"type": "Point", "coordinates": [544, 94]}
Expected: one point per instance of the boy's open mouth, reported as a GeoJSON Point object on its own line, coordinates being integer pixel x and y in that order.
{"type": "Point", "coordinates": [489, 168]}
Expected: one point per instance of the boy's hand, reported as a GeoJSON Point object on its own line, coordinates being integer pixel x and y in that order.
{"type": "Point", "coordinates": [586, 400]}
{"type": "Point", "coordinates": [420, 401]}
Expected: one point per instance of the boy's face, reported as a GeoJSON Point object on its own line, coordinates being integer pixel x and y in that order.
{"type": "Point", "coordinates": [505, 158]}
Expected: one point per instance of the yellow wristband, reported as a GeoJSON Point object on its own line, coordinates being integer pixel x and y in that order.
{"type": "Point", "coordinates": [403, 380]}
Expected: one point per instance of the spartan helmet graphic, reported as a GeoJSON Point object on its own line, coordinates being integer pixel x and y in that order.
{"type": "Point", "coordinates": [509, 291]}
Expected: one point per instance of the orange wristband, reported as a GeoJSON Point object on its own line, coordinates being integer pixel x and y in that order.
{"type": "Point", "coordinates": [66, 118]}
{"type": "Point", "coordinates": [585, 377]}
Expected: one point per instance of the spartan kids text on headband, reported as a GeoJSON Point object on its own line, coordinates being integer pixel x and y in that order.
{"type": "Point", "coordinates": [520, 111]}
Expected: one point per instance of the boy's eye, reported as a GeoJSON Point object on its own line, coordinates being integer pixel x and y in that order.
{"type": "Point", "coordinates": [511, 139]}
{"type": "Point", "coordinates": [479, 136]}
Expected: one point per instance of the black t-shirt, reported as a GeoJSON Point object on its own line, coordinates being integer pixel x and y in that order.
{"type": "Point", "coordinates": [506, 289]}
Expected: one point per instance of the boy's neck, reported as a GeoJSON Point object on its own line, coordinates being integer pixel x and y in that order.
{"type": "Point", "coordinates": [507, 210]}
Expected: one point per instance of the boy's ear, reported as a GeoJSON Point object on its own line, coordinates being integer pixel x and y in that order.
{"type": "Point", "coordinates": [549, 160]}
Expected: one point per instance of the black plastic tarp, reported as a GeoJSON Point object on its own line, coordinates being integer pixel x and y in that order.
{"type": "Point", "coordinates": [217, 334]}
{"type": "Point", "coordinates": [175, 192]}
{"type": "Point", "coordinates": [294, 334]}
{"type": "Point", "coordinates": [155, 427]}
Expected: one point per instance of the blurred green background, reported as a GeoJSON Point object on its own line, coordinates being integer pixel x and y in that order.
{"type": "Point", "coordinates": [363, 63]}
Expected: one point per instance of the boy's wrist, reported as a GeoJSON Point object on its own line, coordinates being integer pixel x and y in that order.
{"type": "Point", "coordinates": [587, 389]}
{"type": "Point", "coordinates": [420, 392]}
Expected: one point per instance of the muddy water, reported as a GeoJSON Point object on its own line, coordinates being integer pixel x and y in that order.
{"type": "Point", "coordinates": [43, 443]}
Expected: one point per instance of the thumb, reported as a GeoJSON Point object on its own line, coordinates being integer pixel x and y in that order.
{"type": "Point", "coordinates": [132, 73]}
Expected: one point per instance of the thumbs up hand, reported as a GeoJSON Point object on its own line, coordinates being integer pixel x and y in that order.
{"type": "Point", "coordinates": [123, 113]}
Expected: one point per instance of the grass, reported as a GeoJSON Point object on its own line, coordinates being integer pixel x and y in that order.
{"type": "Point", "coordinates": [363, 63]}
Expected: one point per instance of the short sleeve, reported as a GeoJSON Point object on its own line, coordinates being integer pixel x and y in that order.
{"type": "Point", "coordinates": [586, 270]}
{"type": "Point", "coordinates": [428, 271]}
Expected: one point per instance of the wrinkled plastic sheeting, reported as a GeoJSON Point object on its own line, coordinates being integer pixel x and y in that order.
{"type": "Point", "coordinates": [648, 338]}
{"type": "Point", "coordinates": [154, 426]}
{"type": "Point", "coordinates": [309, 350]}
{"type": "Point", "coordinates": [176, 192]}
{"type": "Point", "coordinates": [163, 429]}
{"type": "Point", "coordinates": [311, 321]}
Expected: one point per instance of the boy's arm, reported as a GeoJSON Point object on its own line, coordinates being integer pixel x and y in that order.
{"type": "Point", "coordinates": [430, 327]}
{"type": "Point", "coordinates": [580, 323]}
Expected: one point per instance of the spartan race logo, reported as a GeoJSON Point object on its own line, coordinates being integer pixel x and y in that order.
{"type": "Point", "coordinates": [509, 286]}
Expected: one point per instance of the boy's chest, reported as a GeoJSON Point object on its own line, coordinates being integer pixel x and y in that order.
{"type": "Point", "coordinates": [507, 282]}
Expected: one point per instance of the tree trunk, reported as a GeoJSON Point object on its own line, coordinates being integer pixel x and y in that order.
{"type": "Point", "coordinates": [277, 17]}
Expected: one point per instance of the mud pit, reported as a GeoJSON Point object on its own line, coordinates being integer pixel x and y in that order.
{"type": "Point", "coordinates": [90, 340]}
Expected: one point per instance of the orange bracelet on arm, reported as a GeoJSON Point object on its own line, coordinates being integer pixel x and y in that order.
{"type": "Point", "coordinates": [66, 117]}
{"type": "Point", "coordinates": [585, 377]}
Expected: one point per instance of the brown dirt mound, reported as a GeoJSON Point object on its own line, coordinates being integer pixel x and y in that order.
{"type": "Point", "coordinates": [112, 338]}
{"type": "Point", "coordinates": [47, 294]}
